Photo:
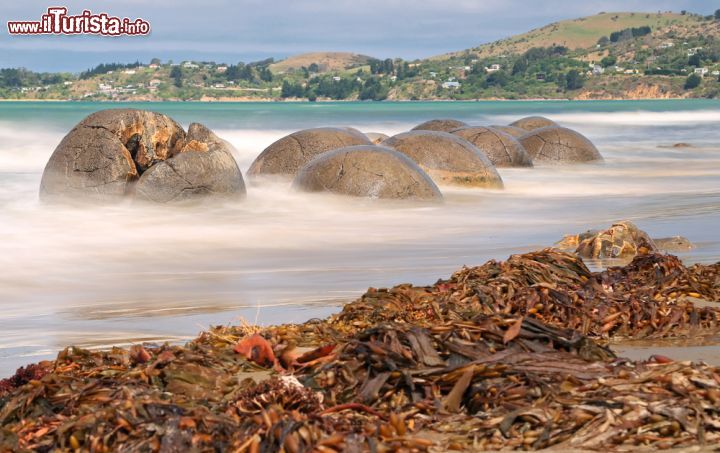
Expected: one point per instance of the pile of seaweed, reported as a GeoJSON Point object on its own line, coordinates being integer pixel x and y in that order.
{"type": "Point", "coordinates": [508, 355]}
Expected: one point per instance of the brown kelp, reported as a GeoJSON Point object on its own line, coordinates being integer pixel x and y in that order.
{"type": "Point", "coordinates": [505, 355]}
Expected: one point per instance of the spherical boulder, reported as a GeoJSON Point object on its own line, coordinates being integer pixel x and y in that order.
{"type": "Point", "coordinates": [287, 155]}
{"type": "Point", "coordinates": [511, 130]}
{"type": "Point", "coordinates": [447, 159]}
{"type": "Point", "coordinates": [367, 171]}
{"type": "Point", "coordinates": [533, 122]}
{"type": "Point", "coordinates": [108, 150]}
{"type": "Point", "coordinates": [442, 125]}
{"type": "Point", "coordinates": [203, 168]}
{"type": "Point", "coordinates": [376, 137]}
{"type": "Point", "coordinates": [559, 145]}
{"type": "Point", "coordinates": [502, 149]}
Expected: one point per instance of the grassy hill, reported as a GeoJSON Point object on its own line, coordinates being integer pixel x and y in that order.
{"type": "Point", "coordinates": [326, 62]}
{"type": "Point", "coordinates": [582, 33]}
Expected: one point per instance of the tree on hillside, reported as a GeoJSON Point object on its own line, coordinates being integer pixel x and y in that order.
{"type": "Point", "coordinates": [176, 75]}
{"type": "Point", "coordinates": [717, 14]}
{"type": "Point", "coordinates": [574, 80]}
{"type": "Point", "coordinates": [693, 81]}
{"type": "Point", "coordinates": [608, 61]}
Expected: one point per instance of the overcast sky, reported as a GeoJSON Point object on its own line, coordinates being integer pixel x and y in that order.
{"type": "Point", "coordinates": [245, 30]}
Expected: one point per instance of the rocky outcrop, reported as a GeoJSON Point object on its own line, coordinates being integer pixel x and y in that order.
{"type": "Point", "coordinates": [104, 156]}
{"type": "Point", "coordinates": [367, 171]}
{"type": "Point", "coordinates": [533, 122]}
{"type": "Point", "coordinates": [441, 125]}
{"type": "Point", "coordinates": [204, 167]}
{"type": "Point", "coordinates": [502, 149]}
{"type": "Point", "coordinates": [448, 159]}
{"type": "Point", "coordinates": [286, 156]}
{"type": "Point", "coordinates": [559, 145]}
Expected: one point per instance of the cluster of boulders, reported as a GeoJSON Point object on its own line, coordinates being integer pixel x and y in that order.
{"type": "Point", "coordinates": [115, 154]}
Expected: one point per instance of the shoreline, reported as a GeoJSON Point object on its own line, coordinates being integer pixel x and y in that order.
{"type": "Point", "coordinates": [405, 367]}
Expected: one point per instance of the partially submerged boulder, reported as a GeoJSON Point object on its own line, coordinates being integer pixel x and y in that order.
{"type": "Point", "coordinates": [440, 125]}
{"type": "Point", "coordinates": [510, 130]}
{"type": "Point", "coordinates": [674, 244]}
{"type": "Point", "coordinates": [448, 159]}
{"type": "Point", "coordinates": [101, 156]}
{"type": "Point", "coordinates": [204, 167]}
{"type": "Point", "coordinates": [622, 240]}
{"type": "Point", "coordinates": [111, 152]}
{"type": "Point", "coordinates": [502, 149]}
{"type": "Point", "coordinates": [376, 137]}
{"type": "Point", "coordinates": [559, 145]}
{"type": "Point", "coordinates": [531, 123]}
{"type": "Point", "coordinates": [367, 171]}
{"type": "Point", "coordinates": [286, 156]}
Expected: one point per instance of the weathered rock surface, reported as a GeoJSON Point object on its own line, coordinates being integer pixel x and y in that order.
{"type": "Point", "coordinates": [367, 171]}
{"type": "Point", "coordinates": [441, 125]}
{"type": "Point", "coordinates": [674, 244]}
{"type": "Point", "coordinates": [204, 167]}
{"type": "Point", "coordinates": [118, 153]}
{"type": "Point", "coordinates": [559, 145]}
{"type": "Point", "coordinates": [510, 130]}
{"type": "Point", "coordinates": [108, 150]}
{"type": "Point", "coordinates": [531, 123]}
{"type": "Point", "coordinates": [287, 155]}
{"type": "Point", "coordinates": [502, 149]}
{"type": "Point", "coordinates": [376, 137]}
{"type": "Point", "coordinates": [447, 158]}
{"type": "Point", "coordinates": [622, 240]}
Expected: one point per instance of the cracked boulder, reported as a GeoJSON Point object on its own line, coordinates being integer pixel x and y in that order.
{"type": "Point", "coordinates": [203, 168]}
{"type": "Point", "coordinates": [559, 145]}
{"type": "Point", "coordinates": [367, 171]}
{"type": "Point", "coordinates": [511, 130]}
{"type": "Point", "coordinates": [286, 156]}
{"type": "Point", "coordinates": [441, 125]}
{"type": "Point", "coordinates": [104, 153]}
{"type": "Point", "coordinates": [502, 149]}
{"type": "Point", "coordinates": [447, 158]}
{"type": "Point", "coordinates": [530, 123]}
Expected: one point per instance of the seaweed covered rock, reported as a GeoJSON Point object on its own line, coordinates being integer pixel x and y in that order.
{"type": "Point", "coordinates": [502, 149]}
{"type": "Point", "coordinates": [286, 156]}
{"type": "Point", "coordinates": [559, 145]}
{"type": "Point", "coordinates": [440, 125]}
{"type": "Point", "coordinates": [367, 171]}
{"type": "Point", "coordinates": [510, 130]}
{"type": "Point", "coordinates": [104, 153]}
{"type": "Point", "coordinates": [448, 159]}
{"type": "Point", "coordinates": [203, 168]}
{"type": "Point", "coordinates": [531, 123]}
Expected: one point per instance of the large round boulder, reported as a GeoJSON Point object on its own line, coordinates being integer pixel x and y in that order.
{"type": "Point", "coordinates": [442, 125]}
{"type": "Point", "coordinates": [367, 171]}
{"type": "Point", "coordinates": [559, 145]}
{"type": "Point", "coordinates": [448, 159]}
{"type": "Point", "coordinates": [511, 130]}
{"type": "Point", "coordinates": [203, 168]}
{"type": "Point", "coordinates": [287, 155]}
{"type": "Point", "coordinates": [533, 122]}
{"type": "Point", "coordinates": [108, 150]}
{"type": "Point", "coordinates": [502, 149]}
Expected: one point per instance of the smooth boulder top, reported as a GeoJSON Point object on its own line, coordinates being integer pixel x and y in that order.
{"type": "Point", "coordinates": [204, 168]}
{"type": "Point", "coordinates": [367, 171]}
{"type": "Point", "coordinates": [531, 123]}
{"type": "Point", "coordinates": [441, 125]}
{"type": "Point", "coordinates": [108, 150]}
{"type": "Point", "coordinates": [447, 159]}
{"type": "Point", "coordinates": [287, 155]}
{"type": "Point", "coordinates": [510, 130]}
{"type": "Point", "coordinates": [112, 152]}
{"type": "Point", "coordinates": [559, 145]}
{"type": "Point", "coordinates": [502, 149]}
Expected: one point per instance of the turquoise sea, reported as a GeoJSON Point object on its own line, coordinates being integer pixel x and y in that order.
{"type": "Point", "coordinates": [121, 274]}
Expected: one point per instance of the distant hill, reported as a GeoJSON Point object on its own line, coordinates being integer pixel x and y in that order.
{"type": "Point", "coordinates": [584, 32]}
{"type": "Point", "coordinates": [326, 61]}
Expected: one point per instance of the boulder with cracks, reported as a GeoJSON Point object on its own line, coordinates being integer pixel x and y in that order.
{"type": "Point", "coordinates": [559, 145]}
{"type": "Point", "coordinates": [502, 149]}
